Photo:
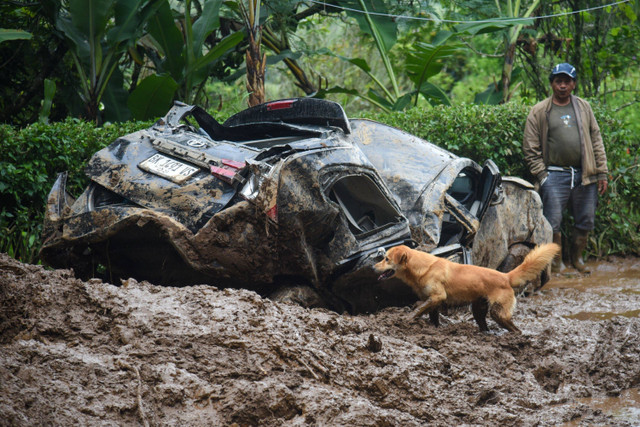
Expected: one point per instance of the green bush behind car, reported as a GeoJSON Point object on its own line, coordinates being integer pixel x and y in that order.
{"type": "Point", "coordinates": [31, 158]}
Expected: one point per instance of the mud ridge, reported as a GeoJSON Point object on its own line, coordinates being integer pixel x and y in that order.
{"type": "Point", "coordinates": [91, 353]}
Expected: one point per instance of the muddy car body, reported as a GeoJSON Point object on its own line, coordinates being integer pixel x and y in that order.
{"type": "Point", "coordinates": [286, 195]}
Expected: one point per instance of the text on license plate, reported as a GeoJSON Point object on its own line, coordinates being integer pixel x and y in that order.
{"type": "Point", "coordinates": [169, 168]}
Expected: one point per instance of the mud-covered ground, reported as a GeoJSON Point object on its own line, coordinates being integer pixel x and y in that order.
{"type": "Point", "coordinates": [91, 353]}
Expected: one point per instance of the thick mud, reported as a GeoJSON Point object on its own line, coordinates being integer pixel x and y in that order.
{"type": "Point", "coordinates": [91, 353]}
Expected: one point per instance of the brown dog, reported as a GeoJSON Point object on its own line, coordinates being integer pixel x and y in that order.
{"type": "Point", "coordinates": [438, 281]}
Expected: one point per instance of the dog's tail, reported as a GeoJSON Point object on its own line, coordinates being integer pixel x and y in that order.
{"type": "Point", "coordinates": [533, 264]}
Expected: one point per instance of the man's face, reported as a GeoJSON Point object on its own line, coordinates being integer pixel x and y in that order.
{"type": "Point", "coordinates": [562, 86]}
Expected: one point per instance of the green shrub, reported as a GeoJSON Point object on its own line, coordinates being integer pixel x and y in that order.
{"type": "Point", "coordinates": [30, 160]}
{"type": "Point", "coordinates": [618, 216]}
{"type": "Point", "coordinates": [496, 133]}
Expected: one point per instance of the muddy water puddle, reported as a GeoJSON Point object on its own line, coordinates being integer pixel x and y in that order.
{"type": "Point", "coordinates": [624, 408]}
{"type": "Point", "coordinates": [611, 289]}
{"type": "Point", "coordinates": [621, 274]}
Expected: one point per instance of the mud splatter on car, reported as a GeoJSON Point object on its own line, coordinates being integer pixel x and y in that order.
{"type": "Point", "coordinates": [291, 199]}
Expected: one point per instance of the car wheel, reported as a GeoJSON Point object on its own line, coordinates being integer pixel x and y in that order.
{"type": "Point", "coordinates": [302, 295]}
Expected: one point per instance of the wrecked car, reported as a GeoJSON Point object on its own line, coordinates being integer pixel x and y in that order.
{"type": "Point", "coordinates": [291, 199]}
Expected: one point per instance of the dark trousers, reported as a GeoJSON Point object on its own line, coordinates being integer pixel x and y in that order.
{"type": "Point", "coordinates": [561, 189]}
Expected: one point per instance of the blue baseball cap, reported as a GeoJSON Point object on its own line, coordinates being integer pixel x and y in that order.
{"type": "Point", "coordinates": [563, 68]}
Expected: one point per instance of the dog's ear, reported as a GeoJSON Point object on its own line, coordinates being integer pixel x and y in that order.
{"type": "Point", "coordinates": [403, 258]}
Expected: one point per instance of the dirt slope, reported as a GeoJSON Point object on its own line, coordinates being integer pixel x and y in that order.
{"type": "Point", "coordinates": [90, 353]}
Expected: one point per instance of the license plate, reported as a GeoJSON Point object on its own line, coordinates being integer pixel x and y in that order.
{"type": "Point", "coordinates": [169, 168]}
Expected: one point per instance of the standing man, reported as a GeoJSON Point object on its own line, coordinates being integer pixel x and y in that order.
{"type": "Point", "coordinates": [563, 149]}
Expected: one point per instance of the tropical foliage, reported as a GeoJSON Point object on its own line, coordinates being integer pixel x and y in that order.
{"type": "Point", "coordinates": [182, 61]}
{"type": "Point", "coordinates": [420, 64]}
{"type": "Point", "coordinates": [111, 60]}
{"type": "Point", "coordinates": [99, 33]}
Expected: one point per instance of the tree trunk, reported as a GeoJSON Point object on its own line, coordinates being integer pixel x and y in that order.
{"type": "Point", "coordinates": [509, 57]}
{"type": "Point", "coordinates": [256, 63]}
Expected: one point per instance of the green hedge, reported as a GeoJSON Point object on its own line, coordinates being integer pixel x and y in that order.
{"type": "Point", "coordinates": [31, 158]}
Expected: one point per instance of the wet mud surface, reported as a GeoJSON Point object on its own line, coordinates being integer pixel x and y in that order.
{"type": "Point", "coordinates": [91, 353]}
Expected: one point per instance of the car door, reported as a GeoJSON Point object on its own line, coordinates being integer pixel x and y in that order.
{"type": "Point", "coordinates": [466, 201]}
{"type": "Point", "coordinates": [490, 181]}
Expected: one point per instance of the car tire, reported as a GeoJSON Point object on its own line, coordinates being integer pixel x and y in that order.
{"type": "Point", "coordinates": [302, 295]}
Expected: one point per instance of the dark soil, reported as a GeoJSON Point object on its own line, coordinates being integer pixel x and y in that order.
{"type": "Point", "coordinates": [91, 353]}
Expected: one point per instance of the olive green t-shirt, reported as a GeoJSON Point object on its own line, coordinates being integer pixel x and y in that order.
{"type": "Point", "coordinates": [564, 140]}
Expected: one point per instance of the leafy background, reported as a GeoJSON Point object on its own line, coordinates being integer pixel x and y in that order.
{"type": "Point", "coordinates": [75, 74]}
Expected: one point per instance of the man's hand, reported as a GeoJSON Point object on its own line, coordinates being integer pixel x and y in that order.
{"type": "Point", "coordinates": [603, 184]}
